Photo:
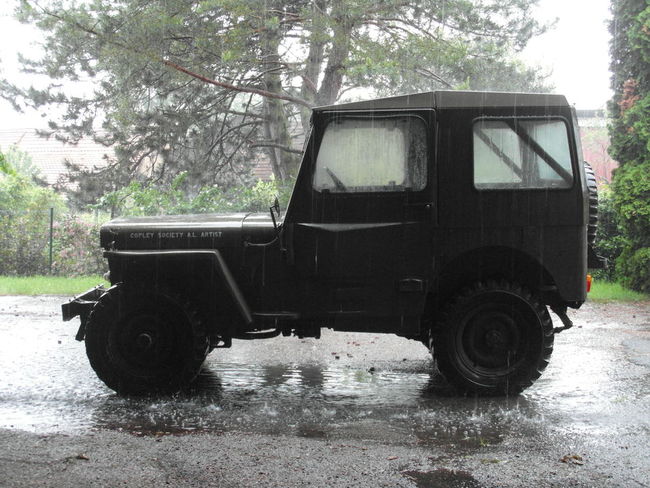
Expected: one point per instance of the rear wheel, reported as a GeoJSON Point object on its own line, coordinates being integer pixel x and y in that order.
{"type": "Point", "coordinates": [495, 338]}
{"type": "Point", "coordinates": [141, 342]}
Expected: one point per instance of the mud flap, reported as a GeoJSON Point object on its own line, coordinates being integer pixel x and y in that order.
{"type": "Point", "coordinates": [560, 311]}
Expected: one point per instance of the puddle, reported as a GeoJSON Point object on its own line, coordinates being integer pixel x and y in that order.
{"type": "Point", "coordinates": [442, 478]}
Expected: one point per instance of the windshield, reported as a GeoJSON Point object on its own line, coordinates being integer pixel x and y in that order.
{"type": "Point", "coordinates": [372, 154]}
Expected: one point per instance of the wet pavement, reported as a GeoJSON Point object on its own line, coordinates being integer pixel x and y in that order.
{"type": "Point", "coordinates": [587, 417]}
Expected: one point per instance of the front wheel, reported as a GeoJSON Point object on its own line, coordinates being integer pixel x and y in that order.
{"type": "Point", "coordinates": [140, 342]}
{"type": "Point", "coordinates": [494, 338]}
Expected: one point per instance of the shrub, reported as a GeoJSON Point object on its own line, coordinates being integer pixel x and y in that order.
{"type": "Point", "coordinates": [633, 269]}
{"type": "Point", "coordinates": [609, 237]}
{"type": "Point", "coordinates": [77, 251]}
{"type": "Point", "coordinates": [632, 200]}
{"type": "Point", "coordinates": [24, 225]}
{"type": "Point", "coordinates": [148, 199]}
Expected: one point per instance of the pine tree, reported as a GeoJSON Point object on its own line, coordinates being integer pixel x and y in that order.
{"type": "Point", "coordinates": [204, 86]}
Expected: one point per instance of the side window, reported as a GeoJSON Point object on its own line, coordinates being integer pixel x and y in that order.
{"type": "Point", "coordinates": [521, 153]}
{"type": "Point", "coordinates": [376, 154]}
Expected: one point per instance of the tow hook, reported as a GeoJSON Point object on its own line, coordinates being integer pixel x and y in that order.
{"type": "Point", "coordinates": [560, 311]}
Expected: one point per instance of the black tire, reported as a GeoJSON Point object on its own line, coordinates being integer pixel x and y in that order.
{"type": "Point", "coordinates": [494, 338]}
{"type": "Point", "coordinates": [592, 187]}
{"type": "Point", "coordinates": [140, 342]}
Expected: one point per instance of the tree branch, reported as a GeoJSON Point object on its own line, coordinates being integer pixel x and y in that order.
{"type": "Point", "coordinates": [277, 146]}
{"type": "Point", "coordinates": [171, 64]}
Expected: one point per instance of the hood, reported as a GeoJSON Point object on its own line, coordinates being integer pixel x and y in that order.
{"type": "Point", "coordinates": [205, 231]}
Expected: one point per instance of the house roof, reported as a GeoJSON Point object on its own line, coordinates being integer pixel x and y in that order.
{"type": "Point", "coordinates": [49, 154]}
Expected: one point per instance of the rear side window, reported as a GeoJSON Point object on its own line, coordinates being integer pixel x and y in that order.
{"type": "Point", "coordinates": [521, 153]}
{"type": "Point", "coordinates": [379, 154]}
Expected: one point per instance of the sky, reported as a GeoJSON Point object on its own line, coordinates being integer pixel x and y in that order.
{"type": "Point", "coordinates": [575, 53]}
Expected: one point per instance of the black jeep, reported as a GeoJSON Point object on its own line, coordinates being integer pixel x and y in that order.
{"type": "Point", "coordinates": [450, 218]}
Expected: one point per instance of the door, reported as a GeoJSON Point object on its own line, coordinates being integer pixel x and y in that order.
{"type": "Point", "coordinates": [363, 241]}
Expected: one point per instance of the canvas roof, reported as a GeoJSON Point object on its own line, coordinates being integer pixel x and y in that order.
{"type": "Point", "coordinates": [455, 99]}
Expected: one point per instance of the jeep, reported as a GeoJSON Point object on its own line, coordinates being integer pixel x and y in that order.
{"type": "Point", "coordinates": [455, 219]}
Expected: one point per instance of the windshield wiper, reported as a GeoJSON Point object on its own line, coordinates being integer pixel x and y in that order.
{"type": "Point", "coordinates": [340, 186]}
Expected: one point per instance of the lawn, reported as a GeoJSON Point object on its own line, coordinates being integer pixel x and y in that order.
{"type": "Point", "coordinates": [47, 285]}
{"type": "Point", "coordinates": [605, 291]}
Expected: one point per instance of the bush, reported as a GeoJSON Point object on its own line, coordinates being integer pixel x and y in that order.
{"type": "Point", "coordinates": [633, 269]}
{"type": "Point", "coordinates": [632, 201]}
{"type": "Point", "coordinates": [77, 251]}
{"type": "Point", "coordinates": [609, 237]}
{"type": "Point", "coordinates": [148, 199]}
{"type": "Point", "coordinates": [24, 225]}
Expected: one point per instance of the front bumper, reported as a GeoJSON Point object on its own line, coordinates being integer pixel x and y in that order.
{"type": "Point", "coordinates": [81, 305]}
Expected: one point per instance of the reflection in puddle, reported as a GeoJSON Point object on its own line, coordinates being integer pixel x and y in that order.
{"type": "Point", "coordinates": [442, 477]}
{"type": "Point", "coordinates": [397, 405]}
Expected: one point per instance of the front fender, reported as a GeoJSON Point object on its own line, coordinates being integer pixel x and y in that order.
{"type": "Point", "coordinates": [212, 255]}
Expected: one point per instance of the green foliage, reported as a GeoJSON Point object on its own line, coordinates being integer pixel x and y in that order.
{"type": "Point", "coordinates": [76, 248]}
{"type": "Point", "coordinates": [306, 52]}
{"type": "Point", "coordinates": [630, 136]}
{"type": "Point", "coordinates": [22, 163]}
{"type": "Point", "coordinates": [24, 225]}
{"type": "Point", "coordinates": [5, 166]}
{"type": "Point", "coordinates": [147, 199]}
{"type": "Point", "coordinates": [632, 201]}
{"type": "Point", "coordinates": [609, 237]}
{"type": "Point", "coordinates": [633, 266]}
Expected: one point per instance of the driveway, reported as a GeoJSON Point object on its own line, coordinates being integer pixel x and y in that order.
{"type": "Point", "coordinates": [346, 410]}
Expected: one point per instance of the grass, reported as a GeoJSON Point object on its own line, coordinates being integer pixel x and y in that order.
{"type": "Point", "coordinates": [605, 291]}
{"type": "Point", "coordinates": [47, 285]}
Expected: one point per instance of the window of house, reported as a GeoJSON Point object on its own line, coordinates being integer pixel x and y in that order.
{"type": "Point", "coordinates": [375, 154]}
{"type": "Point", "coordinates": [521, 153]}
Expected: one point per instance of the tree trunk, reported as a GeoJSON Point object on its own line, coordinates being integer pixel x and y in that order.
{"type": "Point", "coordinates": [284, 163]}
{"type": "Point", "coordinates": [339, 51]}
{"type": "Point", "coordinates": [311, 74]}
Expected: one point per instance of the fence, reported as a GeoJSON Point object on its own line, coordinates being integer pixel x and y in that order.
{"type": "Point", "coordinates": [49, 241]}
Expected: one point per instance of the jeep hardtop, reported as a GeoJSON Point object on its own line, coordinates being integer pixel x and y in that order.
{"type": "Point", "coordinates": [452, 218]}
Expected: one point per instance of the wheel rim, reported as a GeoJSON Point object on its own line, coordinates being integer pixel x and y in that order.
{"type": "Point", "coordinates": [148, 343]}
{"type": "Point", "coordinates": [492, 340]}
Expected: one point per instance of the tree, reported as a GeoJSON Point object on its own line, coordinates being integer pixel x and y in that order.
{"type": "Point", "coordinates": [202, 86]}
{"type": "Point", "coordinates": [630, 136]}
{"type": "Point", "coordinates": [21, 162]}
{"type": "Point", "coordinates": [5, 166]}
{"type": "Point", "coordinates": [24, 222]}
